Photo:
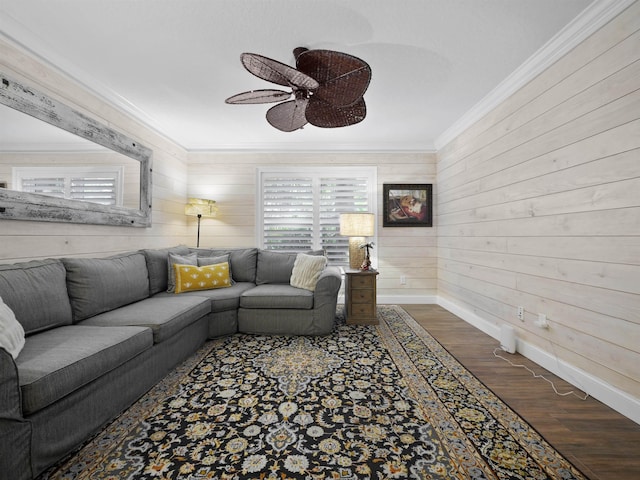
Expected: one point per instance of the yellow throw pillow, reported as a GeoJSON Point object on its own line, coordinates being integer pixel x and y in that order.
{"type": "Point", "coordinates": [190, 278]}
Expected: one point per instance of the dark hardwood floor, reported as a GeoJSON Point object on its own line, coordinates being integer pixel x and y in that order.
{"type": "Point", "coordinates": [602, 443]}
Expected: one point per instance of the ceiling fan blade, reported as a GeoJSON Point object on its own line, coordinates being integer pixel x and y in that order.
{"type": "Point", "coordinates": [276, 72]}
{"type": "Point", "coordinates": [259, 96]}
{"type": "Point", "coordinates": [288, 116]}
{"type": "Point", "coordinates": [325, 115]}
{"type": "Point", "coordinates": [343, 78]}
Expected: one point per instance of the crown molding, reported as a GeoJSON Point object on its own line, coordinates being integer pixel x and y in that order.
{"type": "Point", "coordinates": [35, 47]}
{"type": "Point", "coordinates": [592, 18]}
{"type": "Point", "coordinates": [320, 147]}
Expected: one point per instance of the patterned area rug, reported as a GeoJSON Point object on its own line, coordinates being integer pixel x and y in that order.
{"type": "Point", "coordinates": [385, 402]}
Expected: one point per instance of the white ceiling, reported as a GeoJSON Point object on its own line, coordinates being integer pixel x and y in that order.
{"type": "Point", "coordinates": [172, 63]}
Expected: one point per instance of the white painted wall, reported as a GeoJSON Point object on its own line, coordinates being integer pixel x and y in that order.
{"type": "Point", "coordinates": [538, 205]}
{"type": "Point", "coordinates": [25, 240]}
{"type": "Point", "coordinates": [230, 179]}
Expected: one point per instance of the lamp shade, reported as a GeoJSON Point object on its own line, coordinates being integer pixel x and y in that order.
{"type": "Point", "coordinates": [357, 224]}
{"type": "Point", "coordinates": [201, 207]}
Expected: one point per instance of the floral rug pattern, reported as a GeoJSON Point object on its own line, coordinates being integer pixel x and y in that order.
{"type": "Point", "coordinates": [384, 402]}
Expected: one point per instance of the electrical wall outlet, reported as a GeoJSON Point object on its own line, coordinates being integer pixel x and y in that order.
{"type": "Point", "coordinates": [542, 321]}
{"type": "Point", "coordinates": [521, 313]}
{"type": "Point", "coordinates": [403, 279]}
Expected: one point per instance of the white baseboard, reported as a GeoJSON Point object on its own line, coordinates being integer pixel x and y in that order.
{"type": "Point", "coordinates": [618, 400]}
{"type": "Point", "coordinates": [406, 299]}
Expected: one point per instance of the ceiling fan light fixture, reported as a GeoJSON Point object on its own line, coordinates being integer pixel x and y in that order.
{"type": "Point", "coordinates": [327, 86]}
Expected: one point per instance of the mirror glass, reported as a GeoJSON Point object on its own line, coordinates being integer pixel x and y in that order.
{"type": "Point", "coordinates": [39, 158]}
{"type": "Point", "coordinates": [57, 164]}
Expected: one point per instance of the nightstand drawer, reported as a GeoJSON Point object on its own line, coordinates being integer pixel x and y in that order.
{"type": "Point", "coordinates": [362, 296]}
{"type": "Point", "coordinates": [363, 310]}
{"type": "Point", "coordinates": [363, 281]}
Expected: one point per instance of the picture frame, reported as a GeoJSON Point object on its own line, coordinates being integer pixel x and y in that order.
{"type": "Point", "coordinates": [407, 205]}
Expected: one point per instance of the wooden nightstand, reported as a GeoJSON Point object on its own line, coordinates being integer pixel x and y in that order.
{"type": "Point", "coordinates": [360, 297]}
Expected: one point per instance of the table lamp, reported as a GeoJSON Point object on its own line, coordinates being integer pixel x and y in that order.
{"type": "Point", "coordinates": [357, 226]}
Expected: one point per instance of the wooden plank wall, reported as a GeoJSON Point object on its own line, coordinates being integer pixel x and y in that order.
{"type": "Point", "coordinates": [24, 240]}
{"type": "Point", "coordinates": [230, 179]}
{"type": "Point", "coordinates": [538, 205]}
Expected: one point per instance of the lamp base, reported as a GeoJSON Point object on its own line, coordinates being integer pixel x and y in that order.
{"type": "Point", "coordinates": [356, 254]}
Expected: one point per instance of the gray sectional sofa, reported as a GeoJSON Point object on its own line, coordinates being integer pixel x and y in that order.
{"type": "Point", "coordinates": [101, 331]}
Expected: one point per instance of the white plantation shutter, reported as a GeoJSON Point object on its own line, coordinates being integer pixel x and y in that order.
{"type": "Point", "coordinates": [103, 185]}
{"type": "Point", "coordinates": [53, 186]}
{"type": "Point", "coordinates": [94, 189]}
{"type": "Point", "coordinates": [340, 195]}
{"type": "Point", "coordinates": [300, 208]}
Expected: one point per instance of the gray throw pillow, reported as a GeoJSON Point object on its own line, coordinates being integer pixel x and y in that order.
{"type": "Point", "coordinates": [190, 259]}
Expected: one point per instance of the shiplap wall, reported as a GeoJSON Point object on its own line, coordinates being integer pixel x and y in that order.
{"type": "Point", "coordinates": [230, 179]}
{"type": "Point", "coordinates": [24, 240]}
{"type": "Point", "coordinates": [538, 205]}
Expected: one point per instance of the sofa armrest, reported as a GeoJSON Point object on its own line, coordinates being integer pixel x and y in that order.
{"type": "Point", "coordinates": [328, 284]}
{"type": "Point", "coordinates": [15, 431]}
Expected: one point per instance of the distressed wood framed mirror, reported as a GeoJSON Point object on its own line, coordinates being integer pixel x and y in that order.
{"type": "Point", "coordinates": [60, 165]}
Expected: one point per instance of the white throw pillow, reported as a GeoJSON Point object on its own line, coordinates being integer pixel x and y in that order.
{"type": "Point", "coordinates": [11, 331]}
{"type": "Point", "coordinates": [307, 270]}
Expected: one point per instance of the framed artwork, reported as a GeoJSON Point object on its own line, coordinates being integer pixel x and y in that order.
{"type": "Point", "coordinates": [407, 205]}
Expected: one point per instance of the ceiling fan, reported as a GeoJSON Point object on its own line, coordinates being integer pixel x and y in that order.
{"type": "Point", "coordinates": [327, 89]}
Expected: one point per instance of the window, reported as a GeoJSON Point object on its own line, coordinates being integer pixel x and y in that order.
{"type": "Point", "coordinates": [98, 185]}
{"type": "Point", "coordinates": [299, 208]}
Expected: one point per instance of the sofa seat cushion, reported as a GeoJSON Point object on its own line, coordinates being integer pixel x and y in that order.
{"type": "Point", "coordinates": [56, 362]}
{"type": "Point", "coordinates": [36, 292]}
{"type": "Point", "coordinates": [164, 315]}
{"type": "Point", "coordinates": [277, 296]}
{"type": "Point", "coordinates": [222, 299]}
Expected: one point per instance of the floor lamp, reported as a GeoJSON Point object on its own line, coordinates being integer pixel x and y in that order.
{"type": "Point", "coordinates": [357, 226]}
{"type": "Point", "coordinates": [199, 207]}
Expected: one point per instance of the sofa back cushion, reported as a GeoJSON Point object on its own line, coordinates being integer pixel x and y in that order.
{"type": "Point", "coordinates": [97, 285]}
{"type": "Point", "coordinates": [36, 292]}
{"type": "Point", "coordinates": [242, 261]}
{"type": "Point", "coordinates": [157, 266]}
{"type": "Point", "coordinates": [276, 267]}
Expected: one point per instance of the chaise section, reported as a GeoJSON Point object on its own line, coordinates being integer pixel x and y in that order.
{"type": "Point", "coordinates": [277, 296]}
{"type": "Point", "coordinates": [294, 311]}
{"type": "Point", "coordinates": [59, 361]}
